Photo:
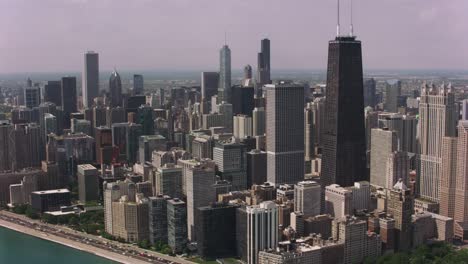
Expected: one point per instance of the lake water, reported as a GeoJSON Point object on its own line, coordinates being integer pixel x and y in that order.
{"type": "Point", "coordinates": [19, 248]}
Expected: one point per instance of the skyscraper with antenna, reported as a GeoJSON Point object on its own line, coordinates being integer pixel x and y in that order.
{"type": "Point", "coordinates": [224, 90]}
{"type": "Point", "coordinates": [344, 140]}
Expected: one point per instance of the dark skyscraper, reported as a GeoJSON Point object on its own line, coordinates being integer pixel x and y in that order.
{"type": "Point", "coordinates": [209, 87]}
{"type": "Point", "coordinates": [344, 140]}
{"type": "Point", "coordinates": [115, 89]}
{"type": "Point", "coordinates": [90, 83]}
{"type": "Point", "coordinates": [369, 93]}
{"type": "Point", "coordinates": [243, 100]}
{"type": "Point", "coordinates": [52, 93]}
{"type": "Point", "coordinates": [68, 93]}
{"type": "Point", "coordinates": [263, 68]}
{"type": "Point", "coordinates": [138, 84]}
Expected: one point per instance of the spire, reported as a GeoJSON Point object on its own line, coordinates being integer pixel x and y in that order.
{"type": "Point", "coordinates": [351, 33]}
{"type": "Point", "coordinates": [338, 20]}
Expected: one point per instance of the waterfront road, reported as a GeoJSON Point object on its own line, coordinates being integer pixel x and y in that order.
{"type": "Point", "coordinates": [120, 252]}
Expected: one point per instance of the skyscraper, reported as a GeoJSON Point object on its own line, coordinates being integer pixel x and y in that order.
{"type": "Point", "coordinates": [384, 143]}
{"type": "Point", "coordinates": [32, 96]}
{"type": "Point", "coordinates": [69, 102]}
{"type": "Point", "coordinates": [115, 89]}
{"type": "Point", "coordinates": [437, 118]}
{"type": "Point", "coordinates": [138, 84]}
{"type": "Point", "coordinates": [369, 93]}
{"type": "Point", "coordinates": [392, 92]}
{"type": "Point", "coordinates": [448, 178]}
{"type": "Point", "coordinates": [400, 206]}
{"type": "Point", "coordinates": [257, 229]}
{"type": "Point", "coordinates": [344, 139]}
{"type": "Point", "coordinates": [247, 80]}
{"type": "Point", "coordinates": [307, 198]}
{"type": "Point", "coordinates": [263, 68]}
{"type": "Point", "coordinates": [461, 189]}
{"type": "Point", "coordinates": [258, 119]}
{"type": "Point", "coordinates": [285, 133]}
{"type": "Point", "coordinates": [52, 92]}
{"type": "Point", "coordinates": [90, 83]}
{"type": "Point", "coordinates": [209, 86]}
{"type": "Point", "coordinates": [224, 92]}
{"type": "Point", "coordinates": [200, 192]}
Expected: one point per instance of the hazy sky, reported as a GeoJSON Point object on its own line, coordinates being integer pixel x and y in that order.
{"type": "Point", "coordinates": [52, 35]}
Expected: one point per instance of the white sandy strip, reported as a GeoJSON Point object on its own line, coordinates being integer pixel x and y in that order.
{"type": "Point", "coordinates": [73, 244]}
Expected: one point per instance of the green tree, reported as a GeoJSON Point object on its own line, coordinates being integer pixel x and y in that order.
{"type": "Point", "coordinates": [31, 213]}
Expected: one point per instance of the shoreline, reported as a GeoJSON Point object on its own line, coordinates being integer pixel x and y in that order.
{"type": "Point", "coordinates": [70, 243]}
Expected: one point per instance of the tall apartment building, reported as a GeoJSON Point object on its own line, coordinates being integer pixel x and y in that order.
{"type": "Point", "coordinates": [200, 192]}
{"type": "Point", "coordinates": [285, 133]}
{"type": "Point", "coordinates": [461, 189]}
{"type": "Point", "coordinates": [130, 218]}
{"type": "Point", "coordinates": [400, 205]}
{"type": "Point", "coordinates": [157, 208]}
{"type": "Point", "coordinates": [405, 127]}
{"type": "Point", "coordinates": [168, 180]}
{"type": "Point", "coordinates": [216, 232]}
{"type": "Point", "coordinates": [358, 243]}
{"type": "Point", "coordinates": [437, 118]}
{"type": "Point", "coordinates": [88, 183]}
{"type": "Point", "coordinates": [229, 157]}
{"type": "Point", "coordinates": [257, 230]}
{"type": "Point", "coordinates": [307, 195]}
{"type": "Point", "coordinates": [383, 144]}
{"type": "Point", "coordinates": [448, 179]}
{"type": "Point", "coordinates": [256, 167]}
{"type": "Point", "coordinates": [176, 225]}
{"type": "Point", "coordinates": [338, 201]}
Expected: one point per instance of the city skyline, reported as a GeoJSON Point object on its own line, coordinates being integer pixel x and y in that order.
{"type": "Point", "coordinates": [148, 37]}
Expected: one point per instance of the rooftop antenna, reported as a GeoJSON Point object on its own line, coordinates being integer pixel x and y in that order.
{"type": "Point", "coordinates": [351, 33]}
{"type": "Point", "coordinates": [338, 18]}
{"type": "Point", "coordinates": [225, 38]}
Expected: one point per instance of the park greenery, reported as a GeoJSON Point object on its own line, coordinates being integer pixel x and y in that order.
{"type": "Point", "coordinates": [435, 253]}
{"type": "Point", "coordinates": [91, 222]}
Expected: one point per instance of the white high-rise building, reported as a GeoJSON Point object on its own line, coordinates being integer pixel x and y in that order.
{"type": "Point", "coordinates": [262, 229]}
{"type": "Point", "coordinates": [307, 195]}
{"type": "Point", "coordinates": [242, 126]}
{"type": "Point", "coordinates": [383, 143]}
{"type": "Point", "coordinates": [285, 133]}
{"type": "Point", "coordinates": [437, 119]}
{"type": "Point", "coordinates": [398, 167]}
{"type": "Point", "coordinates": [200, 192]}
{"type": "Point", "coordinates": [90, 82]}
{"type": "Point", "coordinates": [338, 201]}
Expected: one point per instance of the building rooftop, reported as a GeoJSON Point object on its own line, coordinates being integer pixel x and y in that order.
{"type": "Point", "coordinates": [52, 191]}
